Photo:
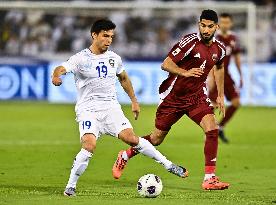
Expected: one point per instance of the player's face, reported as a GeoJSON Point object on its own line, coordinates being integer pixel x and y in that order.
{"type": "Point", "coordinates": [225, 24]}
{"type": "Point", "coordinates": [207, 29]}
{"type": "Point", "coordinates": [103, 39]}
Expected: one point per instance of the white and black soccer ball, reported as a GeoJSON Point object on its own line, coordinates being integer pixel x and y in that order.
{"type": "Point", "coordinates": [149, 185]}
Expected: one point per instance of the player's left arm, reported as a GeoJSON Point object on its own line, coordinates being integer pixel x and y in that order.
{"type": "Point", "coordinates": [237, 59]}
{"type": "Point", "coordinates": [128, 88]}
{"type": "Point", "coordinates": [219, 79]}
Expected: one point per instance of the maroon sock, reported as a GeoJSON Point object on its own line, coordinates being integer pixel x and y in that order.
{"type": "Point", "coordinates": [210, 151]}
{"type": "Point", "coordinates": [131, 152]}
{"type": "Point", "coordinates": [228, 115]}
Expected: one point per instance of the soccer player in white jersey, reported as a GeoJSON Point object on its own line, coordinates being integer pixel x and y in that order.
{"type": "Point", "coordinates": [98, 112]}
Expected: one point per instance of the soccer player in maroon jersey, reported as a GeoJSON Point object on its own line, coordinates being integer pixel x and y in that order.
{"type": "Point", "coordinates": [184, 93]}
{"type": "Point", "coordinates": [231, 92]}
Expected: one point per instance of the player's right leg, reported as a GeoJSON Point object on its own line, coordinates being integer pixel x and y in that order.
{"type": "Point", "coordinates": [80, 163]}
{"type": "Point", "coordinates": [165, 118]}
{"type": "Point", "coordinates": [88, 134]}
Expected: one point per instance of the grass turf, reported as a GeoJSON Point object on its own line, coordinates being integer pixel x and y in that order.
{"type": "Point", "coordinates": [38, 142]}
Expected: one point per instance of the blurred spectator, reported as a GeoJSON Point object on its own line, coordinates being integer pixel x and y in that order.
{"type": "Point", "coordinates": [139, 34]}
{"type": "Point", "coordinates": [12, 45]}
{"type": "Point", "coordinates": [30, 47]}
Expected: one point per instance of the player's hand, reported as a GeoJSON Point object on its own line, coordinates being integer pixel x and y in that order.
{"type": "Point", "coordinates": [194, 72]}
{"type": "Point", "coordinates": [56, 81]}
{"type": "Point", "coordinates": [135, 109]}
{"type": "Point", "coordinates": [220, 105]}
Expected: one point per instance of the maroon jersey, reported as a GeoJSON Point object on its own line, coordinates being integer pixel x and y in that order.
{"type": "Point", "coordinates": [191, 52]}
{"type": "Point", "coordinates": [232, 47]}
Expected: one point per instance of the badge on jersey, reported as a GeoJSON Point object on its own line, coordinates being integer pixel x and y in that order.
{"type": "Point", "coordinates": [215, 57]}
{"type": "Point", "coordinates": [112, 62]}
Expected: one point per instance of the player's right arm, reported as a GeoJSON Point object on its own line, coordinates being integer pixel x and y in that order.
{"type": "Point", "coordinates": [71, 65]}
{"type": "Point", "coordinates": [56, 80]}
{"type": "Point", "coordinates": [170, 66]}
{"type": "Point", "coordinates": [181, 50]}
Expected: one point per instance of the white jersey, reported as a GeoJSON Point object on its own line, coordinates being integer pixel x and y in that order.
{"type": "Point", "coordinates": [95, 79]}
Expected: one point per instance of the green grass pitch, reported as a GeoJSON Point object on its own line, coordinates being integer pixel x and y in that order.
{"type": "Point", "coordinates": [38, 142]}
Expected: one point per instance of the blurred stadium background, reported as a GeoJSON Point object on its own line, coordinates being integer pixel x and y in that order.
{"type": "Point", "coordinates": [35, 36]}
{"type": "Point", "coordinates": [38, 137]}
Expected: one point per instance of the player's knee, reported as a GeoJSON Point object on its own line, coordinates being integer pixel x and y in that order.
{"type": "Point", "coordinates": [89, 142]}
{"type": "Point", "coordinates": [211, 127]}
{"type": "Point", "coordinates": [208, 123]}
{"type": "Point", "coordinates": [236, 102]}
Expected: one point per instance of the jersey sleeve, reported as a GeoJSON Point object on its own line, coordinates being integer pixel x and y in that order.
{"type": "Point", "coordinates": [222, 54]}
{"type": "Point", "coordinates": [120, 67]}
{"type": "Point", "coordinates": [236, 47]}
{"type": "Point", "coordinates": [71, 65]}
{"type": "Point", "coordinates": [182, 48]}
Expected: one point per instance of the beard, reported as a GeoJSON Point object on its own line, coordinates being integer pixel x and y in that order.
{"type": "Point", "coordinates": [207, 39]}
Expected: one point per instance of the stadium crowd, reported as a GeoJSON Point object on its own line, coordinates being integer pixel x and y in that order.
{"type": "Point", "coordinates": [138, 36]}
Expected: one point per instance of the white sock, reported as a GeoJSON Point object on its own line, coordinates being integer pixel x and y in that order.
{"type": "Point", "coordinates": [146, 148]}
{"type": "Point", "coordinates": [209, 176]}
{"type": "Point", "coordinates": [124, 156]}
{"type": "Point", "coordinates": [80, 164]}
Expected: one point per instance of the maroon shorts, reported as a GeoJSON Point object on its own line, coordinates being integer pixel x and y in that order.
{"type": "Point", "coordinates": [230, 90]}
{"type": "Point", "coordinates": [169, 113]}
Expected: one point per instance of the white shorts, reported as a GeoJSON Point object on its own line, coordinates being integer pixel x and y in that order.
{"type": "Point", "coordinates": [111, 122]}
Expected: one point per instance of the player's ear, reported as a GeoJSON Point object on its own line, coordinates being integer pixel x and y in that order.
{"type": "Point", "coordinates": [94, 35]}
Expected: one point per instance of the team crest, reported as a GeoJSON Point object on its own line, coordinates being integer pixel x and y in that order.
{"type": "Point", "coordinates": [215, 57]}
{"type": "Point", "coordinates": [111, 62]}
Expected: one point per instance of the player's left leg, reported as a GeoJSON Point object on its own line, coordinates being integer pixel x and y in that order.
{"type": "Point", "coordinates": [146, 148]}
{"type": "Point", "coordinates": [209, 126]}
{"type": "Point", "coordinates": [203, 115]}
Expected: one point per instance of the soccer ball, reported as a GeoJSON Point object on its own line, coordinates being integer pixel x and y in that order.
{"type": "Point", "coordinates": [149, 186]}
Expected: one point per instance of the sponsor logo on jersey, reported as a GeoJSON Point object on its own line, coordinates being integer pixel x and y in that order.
{"type": "Point", "coordinates": [197, 55]}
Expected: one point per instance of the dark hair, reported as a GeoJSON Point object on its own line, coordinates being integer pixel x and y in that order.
{"type": "Point", "coordinates": [226, 15]}
{"type": "Point", "coordinates": [102, 24]}
{"type": "Point", "coordinates": [209, 15]}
